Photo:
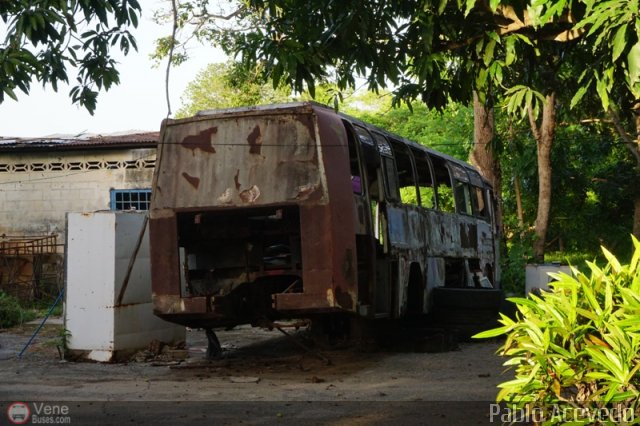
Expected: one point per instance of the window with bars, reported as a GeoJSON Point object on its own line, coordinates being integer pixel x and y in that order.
{"type": "Point", "coordinates": [130, 199]}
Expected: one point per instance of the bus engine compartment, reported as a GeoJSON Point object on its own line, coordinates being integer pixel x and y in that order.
{"type": "Point", "coordinates": [239, 259]}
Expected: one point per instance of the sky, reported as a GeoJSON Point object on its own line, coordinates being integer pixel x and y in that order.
{"type": "Point", "coordinates": [137, 103]}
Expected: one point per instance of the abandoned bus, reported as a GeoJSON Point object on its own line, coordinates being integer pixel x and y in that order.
{"type": "Point", "coordinates": [294, 210]}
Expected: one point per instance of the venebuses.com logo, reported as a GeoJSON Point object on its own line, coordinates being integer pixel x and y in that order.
{"type": "Point", "coordinates": [18, 413]}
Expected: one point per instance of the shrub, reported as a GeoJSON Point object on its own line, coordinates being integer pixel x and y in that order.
{"type": "Point", "coordinates": [518, 253]}
{"type": "Point", "coordinates": [576, 348]}
{"type": "Point", "coordinates": [11, 313]}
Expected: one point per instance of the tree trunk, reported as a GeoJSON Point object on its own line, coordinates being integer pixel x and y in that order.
{"type": "Point", "coordinates": [482, 155]}
{"type": "Point", "coordinates": [519, 210]}
{"type": "Point", "coordinates": [544, 135]}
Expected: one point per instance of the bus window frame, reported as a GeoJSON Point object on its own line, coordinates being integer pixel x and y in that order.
{"type": "Point", "coordinates": [387, 159]}
{"type": "Point", "coordinates": [479, 186]}
{"type": "Point", "coordinates": [432, 175]}
{"type": "Point", "coordinates": [351, 133]}
{"type": "Point", "coordinates": [436, 181]}
{"type": "Point", "coordinates": [393, 142]}
{"type": "Point", "coordinates": [460, 177]}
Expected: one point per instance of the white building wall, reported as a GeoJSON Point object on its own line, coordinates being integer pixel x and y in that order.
{"type": "Point", "coordinates": [38, 189]}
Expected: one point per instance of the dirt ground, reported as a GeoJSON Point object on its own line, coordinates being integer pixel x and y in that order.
{"type": "Point", "coordinates": [263, 378]}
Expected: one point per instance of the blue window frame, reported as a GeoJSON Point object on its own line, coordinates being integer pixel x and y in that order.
{"type": "Point", "coordinates": [130, 199]}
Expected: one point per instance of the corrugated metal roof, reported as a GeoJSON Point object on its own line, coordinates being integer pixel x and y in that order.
{"type": "Point", "coordinates": [83, 141]}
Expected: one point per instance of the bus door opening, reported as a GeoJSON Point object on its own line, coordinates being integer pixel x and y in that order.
{"type": "Point", "coordinates": [377, 233]}
{"type": "Point", "coordinates": [361, 162]}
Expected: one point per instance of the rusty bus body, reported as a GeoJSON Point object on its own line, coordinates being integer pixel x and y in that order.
{"type": "Point", "coordinates": [294, 210]}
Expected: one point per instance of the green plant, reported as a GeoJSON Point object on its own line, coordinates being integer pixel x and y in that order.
{"type": "Point", "coordinates": [519, 252]}
{"type": "Point", "coordinates": [60, 342]}
{"type": "Point", "coordinates": [63, 339]}
{"type": "Point", "coordinates": [576, 258]}
{"type": "Point", "coordinates": [576, 348]}
{"type": "Point", "coordinates": [11, 313]}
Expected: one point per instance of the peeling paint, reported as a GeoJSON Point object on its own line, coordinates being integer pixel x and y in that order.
{"type": "Point", "coordinates": [193, 180]}
{"type": "Point", "coordinates": [250, 195]}
{"type": "Point", "coordinates": [236, 180]}
{"type": "Point", "coordinates": [306, 192]}
{"type": "Point", "coordinates": [255, 140]}
{"type": "Point", "coordinates": [344, 299]}
{"type": "Point", "coordinates": [226, 197]}
{"type": "Point", "coordinates": [201, 141]}
{"type": "Point", "coordinates": [330, 299]}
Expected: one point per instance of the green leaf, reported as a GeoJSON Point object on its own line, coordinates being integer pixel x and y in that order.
{"type": "Point", "coordinates": [469, 6]}
{"type": "Point", "coordinates": [9, 91]}
{"type": "Point", "coordinates": [607, 359]}
{"type": "Point", "coordinates": [587, 314]}
{"type": "Point", "coordinates": [494, 332]}
{"type": "Point", "coordinates": [442, 6]}
{"type": "Point", "coordinates": [510, 53]}
{"type": "Point", "coordinates": [615, 264]}
{"type": "Point", "coordinates": [578, 96]}
{"type": "Point", "coordinates": [635, 260]}
{"type": "Point", "coordinates": [600, 376]}
{"type": "Point", "coordinates": [488, 52]}
{"type": "Point", "coordinates": [633, 61]}
{"type": "Point", "coordinates": [619, 41]}
{"type": "Point", "coordinates": [514, 383]}
{"type": "Point", "coordinates": [601, 87]}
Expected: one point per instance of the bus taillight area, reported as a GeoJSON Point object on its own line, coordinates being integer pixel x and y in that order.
{"type": "Point", "coordinates": [238, 259]}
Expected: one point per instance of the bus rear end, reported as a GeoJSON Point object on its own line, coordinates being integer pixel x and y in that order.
{"type": "Point", "coordinates": [241, 223]}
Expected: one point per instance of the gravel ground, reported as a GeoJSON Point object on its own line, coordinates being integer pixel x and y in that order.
{"type": "Point", "coordinates": [263, 378]}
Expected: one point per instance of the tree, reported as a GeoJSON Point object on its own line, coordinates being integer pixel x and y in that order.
{"type": "Point", "coordinates": [227, 85]}
{"type": "Point", "coordinates": [449, 131]}
{"type": "Point", "coordinates": [483, 155]}
{"type": "Point", "coordinates": [46, 39]}
{"type": "Point", "coordinates": [612, 32]}
{"type": "Point", "coordinates": [437, 52]}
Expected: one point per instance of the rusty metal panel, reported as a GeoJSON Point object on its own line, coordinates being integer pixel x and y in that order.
{"type": "Point", "coordinates": [165, 259]}
{"type": "Point", "coordinates": [485, 240]}
{"type": "Point", "coordinates": [328, 231]}
{"type": "Point", "coordinates": [343, 214]}
{"type": "Point", "coordinates": [250, 158]}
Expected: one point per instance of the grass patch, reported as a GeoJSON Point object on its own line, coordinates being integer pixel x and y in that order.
{"type": "Point", "coordinates": [12, 313]}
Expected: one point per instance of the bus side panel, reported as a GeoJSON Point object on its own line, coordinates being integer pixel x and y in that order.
{"type": "Point", "coordinates": [408, 244]}
{"type": "Point", "coordinates": [421, 236]}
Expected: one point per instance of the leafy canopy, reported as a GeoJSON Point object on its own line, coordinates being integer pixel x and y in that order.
{"type": "Point", "coordinates": [433, 50]}
{"type": "Point", "coordinates": [225, 86]}
{"type": "Point", "coordinates": [46, 39]}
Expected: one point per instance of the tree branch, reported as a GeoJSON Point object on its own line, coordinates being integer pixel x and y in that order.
{"type": "Point", "coordinates": [507, 22]}
{"type": "Point", "coordinates": [228, 17]}
{"type": "Point", "coordinates": [633, 145]}
{"type": "Point", "coordinates": [534, 125]}
{"type": "Point", "coordinates": [173, 42]}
